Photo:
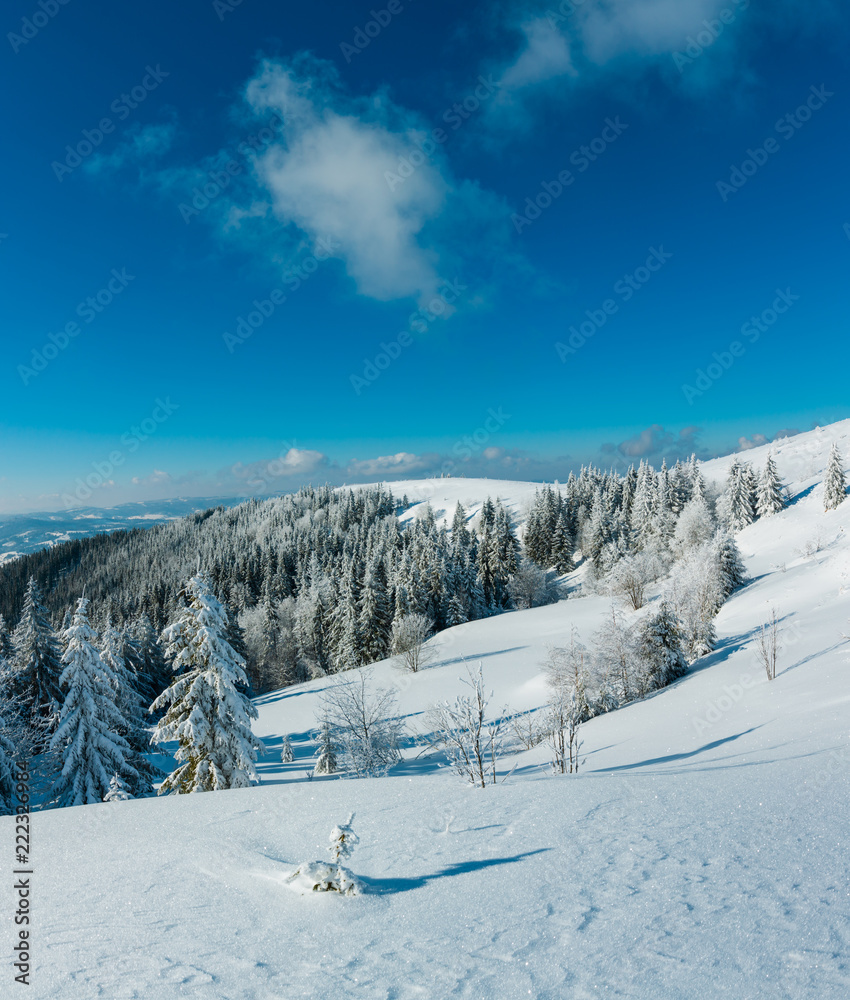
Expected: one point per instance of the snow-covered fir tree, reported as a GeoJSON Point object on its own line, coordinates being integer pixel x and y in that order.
{"type": "Point", "coordinates": [769, 498]}
{"type": "Point", "coordinates": [36, 657]}
{"type": "Point", "coordinates": [286, 756]}
{"type": "Point", "coordinates": [834, 484]}
{"type": "Point", "coordinates": [204, 710]}
{"type": "Point", "coordinates": [88, 735]}
{"type": "Point", "coordinates": [660, 647]}
{"type": "Point", "coordinates": [326, 762]}
{"type": "Point", "coordinates": [118, 791]}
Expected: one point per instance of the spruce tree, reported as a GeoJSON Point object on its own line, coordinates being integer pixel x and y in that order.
{"type": "Point", "coordinates": [88, 735]}
{"type": "Point", "coordinates": [133, 708]}
{"type": "Point", "coordinates": [326, 762]}
{"type": "Point", "coordinates": [6, 648]}
{"type": "Point", "coordinates": [728, 564]}
{"type": "Point", "coordinates": [769, 496]}
{"type": "Point", "coordinates": [834, 484]}
{"type": "Point", "coordinates": [37, 655]}
{"type": "Point", "coordinates": [204, 710]}
{"type": "Point", "coordinates": [660, 648]}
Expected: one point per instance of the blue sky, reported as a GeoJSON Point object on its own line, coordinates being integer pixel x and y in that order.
{"type": "Point", "coordinates": [498, 239]}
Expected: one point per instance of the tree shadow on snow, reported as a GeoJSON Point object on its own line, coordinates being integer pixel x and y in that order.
{"type": "Point", "coordinates": [670, 758]}
{"type": "Point", "coordinates": [474, 657]}
{"type": "Point", "coordinates": [382, 886]}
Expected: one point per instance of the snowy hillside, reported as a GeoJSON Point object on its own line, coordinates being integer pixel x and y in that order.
{"type": "Point", "coordinates": [701, 852]}
{"type": "Point", "coordinates": [22, 533]}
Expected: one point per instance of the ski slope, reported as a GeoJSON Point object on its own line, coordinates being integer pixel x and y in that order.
{"type": "Point", "coordinates": [701, 852]}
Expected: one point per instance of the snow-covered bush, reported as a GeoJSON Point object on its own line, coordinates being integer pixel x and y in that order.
{"type": "Point", "coordinates": [286, 755]}
{"type": "Point", "coordinates": [363, 724]}
{"type": "Point", "coordinates": [320, 876]}
{"type": "Point", "coordinates": [631, 577]}
{"type": "Point", "coordinates": [462, 730]}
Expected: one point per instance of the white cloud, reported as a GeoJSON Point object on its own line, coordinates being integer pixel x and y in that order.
{"type": "Point", "coordinates": [354, 168]}
{"type": "Point", "coordinates": [546, 55]}
{"type": "Point", "coordinates": [403, 463]}
{"type": "Point", "coordinates": [579, 38]}
{"type": "Point", "coordinates": [157, 477]}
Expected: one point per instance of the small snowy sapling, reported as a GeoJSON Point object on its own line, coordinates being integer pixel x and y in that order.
{"type": "Point", "coordinates": [319, 876]}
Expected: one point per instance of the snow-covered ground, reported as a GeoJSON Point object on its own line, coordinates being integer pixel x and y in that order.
{"type": "Point", "coordinates": [701, 852]}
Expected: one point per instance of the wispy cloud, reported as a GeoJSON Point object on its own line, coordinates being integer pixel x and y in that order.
{"type": "Point", "coordinates": [140, 146]}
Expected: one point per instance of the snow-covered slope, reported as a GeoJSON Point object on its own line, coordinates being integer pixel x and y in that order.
{"type": "Point", "coordinates": [700, 853]}
{"type": "Point", "coordinates": [22, 533]}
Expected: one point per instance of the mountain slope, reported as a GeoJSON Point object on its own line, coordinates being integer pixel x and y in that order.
{"type": "Point", "coordinates": [701, 851]}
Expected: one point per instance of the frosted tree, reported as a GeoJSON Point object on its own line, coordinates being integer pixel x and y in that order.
{"type": "Point", "coordinates": [695, 525]}
{"type": "Point", "coordinates": [363, 724]}
{"type": "Point", "coordinates": [326, 762]}
{"type": "Point", "coordinates": [88, 735]}
{"type": "Point", "coordinates": [409, 636]}
{"type": "Point", "coordinates": [470, 740]}
{"type": "Point", "coordinates": [567, 706]}
{"type": "Point", "coordinates": [769, 499]}
{"type": "Point", "coordinates": [695, 591]}
{"type": "Point", "coordinates": [660, 648]}
{"type": "Point", "coordinates": [204, 710]}
{"type": "Point", "coordinates": [532, 586]}
{"type": "Point", "coordinates": [834, 484]}
{"type": "Point", "coordinates": [616, 655]}
{"type": "Point", "coordinates": [37, 655]}
{"type": "Point", "coordinates": [286, 755]}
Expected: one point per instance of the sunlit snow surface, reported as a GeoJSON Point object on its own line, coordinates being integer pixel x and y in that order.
{"type": "Point", "coordinates": [702, 851]}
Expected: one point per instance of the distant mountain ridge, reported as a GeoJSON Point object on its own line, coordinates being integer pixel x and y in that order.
{"type": "Point", "coordinates": [24, 533]}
